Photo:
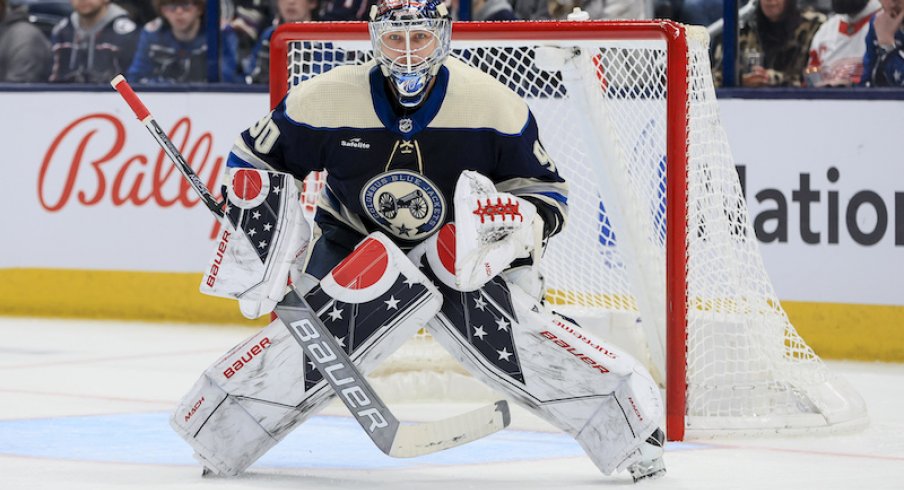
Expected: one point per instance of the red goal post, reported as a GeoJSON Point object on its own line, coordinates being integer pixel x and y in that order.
{"type": "Point", "coordinates": [637, 49]}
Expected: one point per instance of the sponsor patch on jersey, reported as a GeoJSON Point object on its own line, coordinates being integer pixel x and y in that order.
{"type": "Point", "coordinates": [123, 25]}
{"type": "Point", "coordinates": [355, 143]}
{"type": "Point", "coordinates": [404, 203]}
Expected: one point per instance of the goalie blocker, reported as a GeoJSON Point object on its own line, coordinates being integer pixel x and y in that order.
{"type": "Point", "coordinates": [264, 234]}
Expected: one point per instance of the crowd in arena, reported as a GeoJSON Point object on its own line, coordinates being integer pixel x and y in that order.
{"type": "Point", "coordinates": [782, 43]}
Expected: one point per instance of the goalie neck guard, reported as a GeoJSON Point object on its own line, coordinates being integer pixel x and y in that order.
{"type": "Point", "coordinates": [411, 40]}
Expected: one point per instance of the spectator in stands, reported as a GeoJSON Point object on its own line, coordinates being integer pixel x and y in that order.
{"type": "Point", "coordinates": [836, 53]}
{"type": "Point", "coordinates": [140, 11]}
{"type": "Point", "coordinates": [883, 62]}
{"type": "Point", "coordinates": [497, 10]}
{"type": "Point", "coordinates": [492, 10]}
{"type": "Point", "coordinates": [287, 11]}
{"type": "Point", "coordinates": [531, 9]}
{"type": "Point", "coordinates": [699, 12]}
{"type": "Point", "coordinates": [821, 6]}
{"type": "Point", "coordinates": [24, 51]}
{"type": "Point", "coordinates": [94, 44]}
{"type": "Point", "coordinates": [666, 9]}
{"type": "Point", "coordinates": [249, 19]}
{"type": "Point", "coordinates": [773, 45]}
{"type": "Point", "coordinates": [334, 10]}
{"type": "Point", "coordinates": [693, 12]}
{"type": "Point", "coordinates": [603, 9]}
{"type": "Point", "coordinates": [173, 47]}
{"type": "Point", "coordinates": [45, 14]}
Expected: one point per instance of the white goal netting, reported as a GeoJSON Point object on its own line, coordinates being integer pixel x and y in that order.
{"type": "Point", "coordinates": [601, 105]}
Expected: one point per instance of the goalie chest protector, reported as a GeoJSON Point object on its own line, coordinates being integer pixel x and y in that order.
{"type": "Point", "coordinates": [394, 171]}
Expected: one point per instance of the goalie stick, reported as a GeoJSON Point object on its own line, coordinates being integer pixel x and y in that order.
{"type": "Point", "coordinates": [393, 438]}
{"type": "Point", "coordinates": [141, 112]}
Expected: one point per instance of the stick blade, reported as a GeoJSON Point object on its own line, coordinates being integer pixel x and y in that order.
{"type": "Point", "coordinates": [431, 437]}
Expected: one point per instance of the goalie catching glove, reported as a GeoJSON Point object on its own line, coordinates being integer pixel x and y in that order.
{"type": "Point", "coordinates": [491, 230]}
{"type": "Point", "coordinates": [264, 233]}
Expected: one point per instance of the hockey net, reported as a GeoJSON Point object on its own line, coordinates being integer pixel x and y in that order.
{"type": "Point", "coordinates": [627, 111]}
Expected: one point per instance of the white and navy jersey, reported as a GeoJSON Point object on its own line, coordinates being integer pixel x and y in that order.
{"type": "Point", "coordinates": [397, 173]}
{"type": "Point", "coordinates": [837, 48]}
{"type": "Point", "coordinates": [883, 68]}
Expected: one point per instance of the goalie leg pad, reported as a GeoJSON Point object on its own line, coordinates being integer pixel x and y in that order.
{"type": "Point", "coordinates": [590, 389]}
{"type": "Point", "coordinates": [615, 436]}
{"type": "Point", "coordinates": [221, 441]}
{"type": "Point", "coordinates": [263, 388]}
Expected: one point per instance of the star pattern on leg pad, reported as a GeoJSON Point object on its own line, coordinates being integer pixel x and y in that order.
{"type": "Point", "coordinates": [335, 313]}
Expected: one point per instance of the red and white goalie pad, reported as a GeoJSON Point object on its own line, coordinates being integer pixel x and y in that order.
{"type": "Point", "coordinates": [547, 363]}
{"type": "Point", "coordinates": [258, 392]}
{"type": "Point", "coordinates": [264, 233]}
{"type": "Point", "coordinates": [491, 230]}
{"type": "Point", "coordinates": [511, 342]}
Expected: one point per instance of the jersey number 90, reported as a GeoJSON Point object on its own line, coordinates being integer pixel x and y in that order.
{"type": "Point", "coordinates": [543, 157]}
{"type": "Point", "coordinates": [265, 134]}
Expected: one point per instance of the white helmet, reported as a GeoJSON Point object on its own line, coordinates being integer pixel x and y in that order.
{"type": "Point", "coordinates": [411, 40]}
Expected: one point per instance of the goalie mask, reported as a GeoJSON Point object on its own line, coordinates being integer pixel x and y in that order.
{"type": "Point", "coordinates": [410, 40]}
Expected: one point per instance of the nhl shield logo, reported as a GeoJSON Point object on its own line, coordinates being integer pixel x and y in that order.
{"type": "Point", "coordinates": [404, 203]}
{"type": "Point", "coordinates": [405, 125]}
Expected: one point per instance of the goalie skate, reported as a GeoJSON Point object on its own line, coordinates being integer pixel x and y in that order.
{"type": "Point", "coordinates": [651, 465]}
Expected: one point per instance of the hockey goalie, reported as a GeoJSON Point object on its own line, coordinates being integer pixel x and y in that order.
{"type": "Point", "coordinates": [438, 202]}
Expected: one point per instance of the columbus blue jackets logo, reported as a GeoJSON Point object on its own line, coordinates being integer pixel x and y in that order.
{"type": "Point", "coordinates": [404, 203]}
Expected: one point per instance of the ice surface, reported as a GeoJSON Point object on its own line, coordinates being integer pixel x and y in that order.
{"type": "Point", "coordinates": [84, 406]}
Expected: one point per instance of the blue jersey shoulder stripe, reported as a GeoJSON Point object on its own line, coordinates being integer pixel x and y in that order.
{"type": "Point", "coordinates": [233, 161]}
{"type": "Point", "coordinates": [555, 196]}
